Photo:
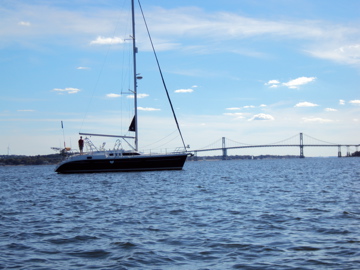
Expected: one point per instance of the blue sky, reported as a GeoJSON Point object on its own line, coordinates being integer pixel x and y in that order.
{"type": "Point", "coordinates": [252, 71]}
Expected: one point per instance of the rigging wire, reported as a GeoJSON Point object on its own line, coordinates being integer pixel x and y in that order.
{"type": "Point", "coordinates": [161, 74]}
{"type": "Point", "coordinates": [162, 139]}
{"type": "Point", "coordinates": [167, 142]}
{"type": "Point", "coordinates": [125, 83]}
{"type": "Point", "coordinates": [93, 91]}
{"type": "Point", "coordinates": [102, 67]}
{"type": "Point", "coordinates": [211, 145]}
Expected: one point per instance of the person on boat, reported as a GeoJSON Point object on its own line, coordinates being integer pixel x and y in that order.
{"type": "Point", "coordinates": [81, 145]}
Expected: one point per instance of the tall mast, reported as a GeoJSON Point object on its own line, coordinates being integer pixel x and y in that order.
{"type": "Point", "coordinates": [134, 70]}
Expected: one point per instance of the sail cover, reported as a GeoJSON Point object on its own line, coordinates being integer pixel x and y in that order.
{"type": "Point", "coordinates": [132, 125]}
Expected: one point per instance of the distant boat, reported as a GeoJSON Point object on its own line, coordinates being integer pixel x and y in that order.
{"type": "Point", "coordinates": [118, 159]}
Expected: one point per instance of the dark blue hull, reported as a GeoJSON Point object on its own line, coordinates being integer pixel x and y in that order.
{"type": "Point", "coordinates": [89, 164]}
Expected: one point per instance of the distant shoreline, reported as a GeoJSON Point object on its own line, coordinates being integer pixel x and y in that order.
{"type": "Point", "coordinates": [53, 159]}
{"type": "Point", "coordinates": [22, 160]}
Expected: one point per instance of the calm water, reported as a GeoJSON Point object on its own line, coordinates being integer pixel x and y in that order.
{"type": "Point", "coordinates": [255, 214]}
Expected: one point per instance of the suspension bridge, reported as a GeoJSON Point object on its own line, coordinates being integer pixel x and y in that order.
{"type": "Point", "coordinates": [284, 143]}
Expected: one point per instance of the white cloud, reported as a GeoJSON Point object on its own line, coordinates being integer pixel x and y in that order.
{"type": "Point", "coordinates": [68, 90]}
{"type": "Point", "coordinates": [237, 115]}
{"type": "Point", "coordinates": [355, 102]}
{"type": "Point", "coordinates": [262, 116]}
{"type": "Point", "coordinates": [295, 84]}
{"type": "Point", "coordinates": [22, 23]}
{"type": "Point", "coordinates": [316, 120]}
{"type": "Point", "coordinates": [26, 110]}
{"type": "Point", "coordinates": [330, 110]}
{"type": "Point", "coordinates": [147, 109]}
{"type": "Point", "coordinates": [342, 102]}
{"type": "Point", "coordinates": [82, 68]}
{"type": "Point", "coordinates": [104, 41]}
{"type": "Point", "coordinates": [333, 41]}
{"type": "Point", "coordinates": [306, 104]}
{"type": "Point", "coordinates": [351, 53]}
{"type": "Point", "coordinates": [245, 107]}
{"type": "Point", "coordinates": [184, 91]}
{"type": "Point", "coordinates": [233, 109]}
{"type": "Point", "coordinates": [138, 96]}
{"type": "Point", "coordinates": [292, 84]}
{"type": "Point", "coordinates": [112, 95]}
{"type": "Point", "coordinates": [273, 83]}
{"type": "Point", "coordinates": [348, 54]}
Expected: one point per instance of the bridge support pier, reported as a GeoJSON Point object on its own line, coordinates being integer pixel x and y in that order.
{"type": "Point", "coordinates": [339, 150]}
{"type": "Point", "coordinates": [348, 151]}
{"type": "Point", "coordinates": [224, 150]}
{"type": "Point", "coordinates": [195, 156]}
{"type": "Point", "coordinates": [301, 146]}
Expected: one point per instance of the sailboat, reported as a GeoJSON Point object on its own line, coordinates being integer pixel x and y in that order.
{"type": "Point", "coordinates": [118, 159]}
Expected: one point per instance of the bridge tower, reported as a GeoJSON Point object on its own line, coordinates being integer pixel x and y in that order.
{"type": "Point", "coordinates": [301, 146]}
{"type": "Point", "coordinates": [224, 150]}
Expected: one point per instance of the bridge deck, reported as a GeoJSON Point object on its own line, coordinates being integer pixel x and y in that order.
{"type": "Point", "coordinates": [277, 145]}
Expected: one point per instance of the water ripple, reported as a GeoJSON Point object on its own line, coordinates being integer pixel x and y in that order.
{"type": "Point", "coordinates": [269, 214]}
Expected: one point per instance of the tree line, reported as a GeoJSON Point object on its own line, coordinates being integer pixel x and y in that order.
{"type": "Point", "coordinates": [30, 160]}
{"type": "Point", "coordinates": [56, 158]}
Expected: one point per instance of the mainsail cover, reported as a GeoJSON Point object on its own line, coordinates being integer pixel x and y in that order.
{"type": "Point", "coordinates": [132, 125]}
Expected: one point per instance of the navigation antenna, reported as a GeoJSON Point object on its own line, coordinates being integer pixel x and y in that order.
{"type": "Point", "coordinates": [62, 127]}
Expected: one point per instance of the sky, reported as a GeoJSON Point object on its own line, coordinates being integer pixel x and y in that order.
{"type": "Point", "coordinates": [253, 71]}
